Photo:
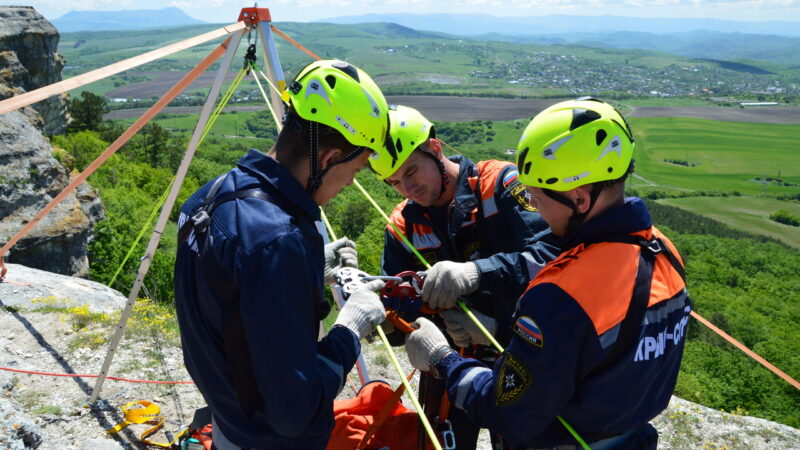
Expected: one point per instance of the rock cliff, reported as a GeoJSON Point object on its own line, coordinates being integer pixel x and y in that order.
{"type": "Point", "coordinates": [28, 44]}
{"type": "Point", "coordinates": [29, 174]}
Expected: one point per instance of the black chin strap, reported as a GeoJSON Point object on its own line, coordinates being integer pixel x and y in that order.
{"type": "Point", "coordinates": [576, 220]}
{"type": "Point", "coordinates": [315, 174]}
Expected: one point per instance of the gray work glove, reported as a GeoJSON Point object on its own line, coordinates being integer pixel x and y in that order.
{"type": "Point", "coordinates": [338, 254]}
{"type": "Point", "coordinates": [446, 281]}
{"type": "Point", "coordinates": [426, 346]}
{"type": "Point", "coordinates": [363, 311]}
{"type": "Point", "coordinates": [464, 331]}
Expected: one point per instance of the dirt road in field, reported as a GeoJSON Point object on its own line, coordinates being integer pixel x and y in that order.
{"type": "Point", "coordinates": [758, 114]}
{"type": "Point", "coordinates": [465, 109]}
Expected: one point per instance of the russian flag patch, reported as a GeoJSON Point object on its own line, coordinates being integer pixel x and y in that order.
{"type": "Point", "coordinates": [510, 178]}
{"type": "Point", "coordinates": [527, 329]}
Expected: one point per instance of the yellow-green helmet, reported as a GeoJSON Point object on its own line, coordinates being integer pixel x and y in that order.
{"type": "Point", "coordinates": [343, 97]}
{"type": "Point", "coordinates": [575, 143]}
{"type": "Point", "coordinates": [408, 129]}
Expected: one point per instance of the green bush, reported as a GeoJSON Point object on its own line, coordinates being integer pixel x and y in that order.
{"type": "Point", "coordinates": [785, 217]}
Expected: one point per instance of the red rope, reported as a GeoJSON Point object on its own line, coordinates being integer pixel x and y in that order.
{"type": "Point", "coordinates": [72, 375]}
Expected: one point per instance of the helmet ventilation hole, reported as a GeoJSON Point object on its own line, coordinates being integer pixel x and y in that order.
{"type": "Point", "coordinates": [600, 136]}
{"type": "Point", "coordinates": [313, 110]}
{"type": "Point", "coordinates": [610, 169]}
{"type": "Point", "coordinates": [551, 180]}
{"type": "Point", "coordinates": [331, 80]}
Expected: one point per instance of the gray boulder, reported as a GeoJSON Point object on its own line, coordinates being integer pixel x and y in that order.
{"type": "Point", "coordinates": [59, 290]}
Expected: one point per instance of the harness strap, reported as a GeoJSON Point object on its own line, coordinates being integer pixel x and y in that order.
{"type": "Point", "coordinates": [629, 327]}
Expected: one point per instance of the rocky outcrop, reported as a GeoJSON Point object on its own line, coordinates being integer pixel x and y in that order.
{"type": "Point", "coordinates": [28, 60]}
{"type": "Point", "coordinates": [30, 177]}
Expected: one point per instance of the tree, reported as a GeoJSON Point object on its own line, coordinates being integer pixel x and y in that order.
{"type": "Point", "coordinates": [87, 112]}
{"type": "Point", "coordinates": [262, 124]}
{"type": "Point", "coordinates": [155, 144]}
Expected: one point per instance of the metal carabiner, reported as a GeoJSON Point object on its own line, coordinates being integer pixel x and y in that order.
{"type": "Point", "coordinates": [445, 429]}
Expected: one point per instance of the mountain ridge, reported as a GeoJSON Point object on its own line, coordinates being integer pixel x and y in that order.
{"type": "Point", "coordinates": [123, 19]}
{"type": "Point", "coordinates": [554, 24]}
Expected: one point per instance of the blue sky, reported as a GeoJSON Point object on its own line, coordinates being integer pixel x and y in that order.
{"type": "Point", "coordinates": [307, 10]}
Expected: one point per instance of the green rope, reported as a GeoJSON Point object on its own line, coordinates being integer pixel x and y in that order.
{"type": "Point", "coordinates": [146, 227]}
{"type": "Point", "coordinates": [217, 111]}
{"type": "Point", "coordinates": [255, 70]}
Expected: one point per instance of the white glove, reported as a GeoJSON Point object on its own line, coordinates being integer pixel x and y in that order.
{"type": "Point", "coordinates": [464, 331]}
{"type": "Point", "coordinates": [446, 281]}
{"type": "Point", "coordinates": [363, 311]}
{"type": "Point", "coordinates": [426, 346]}
{"type": "Point", "coordinates": [338, 254]}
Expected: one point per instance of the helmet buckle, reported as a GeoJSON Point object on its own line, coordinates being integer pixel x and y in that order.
{"type": "Point", "coordinates": [295, 87]}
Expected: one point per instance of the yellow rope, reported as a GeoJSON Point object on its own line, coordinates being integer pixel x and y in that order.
{"type": "Point", "coordinates": [255, 70]}
{"type": "Point", "coordinates": [146, 226]}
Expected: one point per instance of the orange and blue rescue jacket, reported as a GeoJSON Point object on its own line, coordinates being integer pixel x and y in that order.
{"type": "Point", "coordinates": [574, 350]}
{"type": "Point", "coordinates": [488, 222]}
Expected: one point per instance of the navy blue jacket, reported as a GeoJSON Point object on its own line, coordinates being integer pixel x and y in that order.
{"type": "Point", "coordinates": [273, 254]}
{"type": "Point", "coordinates": [489, 223]}
{"type": "Point", "coordinates": [564, 326]}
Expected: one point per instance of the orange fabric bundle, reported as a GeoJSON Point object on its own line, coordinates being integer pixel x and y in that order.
{"type": "Point", "coordinates": [355, 416]}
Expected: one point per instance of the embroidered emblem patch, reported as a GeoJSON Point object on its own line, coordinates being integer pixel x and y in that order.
{"type": "Point", "coordinates": [512, 381]}
{"type": "Point", "coordinates": [527, 329]}
{"type": "Point", "coordinates": [510, 178]}
{"type": "Point", "coordinates": [523, 196]}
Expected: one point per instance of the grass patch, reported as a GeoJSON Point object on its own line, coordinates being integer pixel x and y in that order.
{"type": "Point", "coordinates": [724, 154]}
{"type": "Point", "coordinates": [47, 409]}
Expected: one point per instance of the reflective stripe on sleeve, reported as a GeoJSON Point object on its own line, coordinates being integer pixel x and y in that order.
{"type": "Point", "coordinates": [465, 383]}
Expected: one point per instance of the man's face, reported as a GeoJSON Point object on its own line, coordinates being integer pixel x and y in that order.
{"type": "Point", "coordinates": [418, 179]}
{"type": "Point", "coordinates": [554, 213]}
{"type": "Point", "coordinates": [338, 177]}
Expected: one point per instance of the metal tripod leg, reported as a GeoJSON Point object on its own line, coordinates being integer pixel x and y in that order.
{"type": "Point", "coordinates": [361, 365]}
{"type": "Point", "coordinates": [165, 211]}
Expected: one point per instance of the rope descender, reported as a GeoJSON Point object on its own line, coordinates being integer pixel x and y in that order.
{"type": "Point", "coordinates": [401, 295]}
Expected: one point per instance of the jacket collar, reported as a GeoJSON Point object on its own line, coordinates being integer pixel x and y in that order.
{"type": "Point", "coordinates": [270, 171]}
{"type": "Point", "coordinates": [464, 197]}
{"type": "Point", "coordinates": [627, 218]}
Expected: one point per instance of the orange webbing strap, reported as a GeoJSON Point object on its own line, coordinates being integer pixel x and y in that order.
{"type": "Point", "coordinates": [444, 407]}
{"type": "Point", "coordinates": [746, 350]}
{"type": "Point", "coordinates": [293, 42]}
{"type": "Point", "coordinates": [384, 413]}
{"type": "Point", "coordinates": [146, 412]}
{"type": "Point", "coordinates": [42, 93]}
{"type": "Point", "coordinates": [168, 97]}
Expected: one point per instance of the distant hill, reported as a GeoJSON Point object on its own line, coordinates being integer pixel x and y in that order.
{"type": "Point", "coordinates": [476, 24]}
{"type": "Point", "coordinates": [696, 44]}
{"type": "Point", "coordinates": [123, 20]}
